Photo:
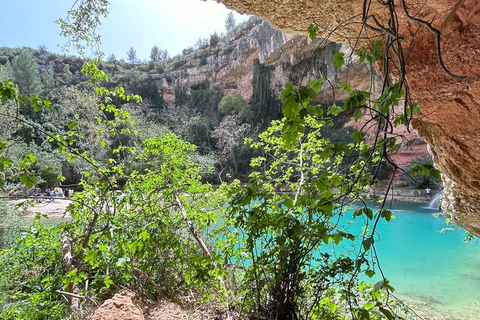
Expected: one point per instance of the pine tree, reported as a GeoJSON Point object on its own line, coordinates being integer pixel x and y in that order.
{"type": "Point", "coordinates": [155, 53]}
{"type": "Point", "coordinates": [25, 73]}
{"type": "Point", "coordinates": [230, 22]}
{"type": "Point", "coordinates": [48, 81]}
{"type": "Point", "coordinates": [132, 56]}
{"type": "Point", "coordinates": [112, 58]}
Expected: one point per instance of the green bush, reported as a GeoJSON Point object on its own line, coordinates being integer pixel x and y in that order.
{"type": "Point", "coordinates": [417, 175]}
{"type": "Point", "coordinates": [31, 271]}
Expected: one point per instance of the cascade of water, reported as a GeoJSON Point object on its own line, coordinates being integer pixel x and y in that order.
{"type": "Point", "coordinates": [435, 203]}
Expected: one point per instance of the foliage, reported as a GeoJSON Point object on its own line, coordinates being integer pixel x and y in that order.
{"type": "Point", "coordinates": [31, 274]}
{"type": "Point", "coordinates": [264, 105]}
{"type": "Point", "coordinates": [24, 70]}
{"type": "Point", "coordinates": [132, 56]}
{"type": "Point", "coordinates": [230, 22]}
{"type": "Point", "coordinates": [156, 54]}
{"type": "Point", "coordinates": [288, 212]}
{"type": "Point", "coordinates": [68, 73]}
{"type": "Point", "coordinates": [214, 39]}
{"type": "Point", "coordinates": [235, 103]}
{"type": "Point", "coordinates": [230, 132]}
{"type": "Point", "coordinates": [80, 26]}
{"type": "Point", "coordinates": [421, 174]}
{"type": "Point", "coordinates": [197, 131]}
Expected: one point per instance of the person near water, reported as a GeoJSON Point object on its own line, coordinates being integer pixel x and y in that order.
{"type": "Point", "coordinates": [66, 192]}
{"type": "Point", "coordinates": [429, 192]}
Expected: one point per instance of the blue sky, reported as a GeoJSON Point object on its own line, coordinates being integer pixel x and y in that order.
{"type": "Point", "coordinates": [170, 24]}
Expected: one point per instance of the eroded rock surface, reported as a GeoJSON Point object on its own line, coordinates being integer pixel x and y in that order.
{"type": "Point", "coordinates": [450, 116]}
{"type": "Point", "coordinates": [286, 57]}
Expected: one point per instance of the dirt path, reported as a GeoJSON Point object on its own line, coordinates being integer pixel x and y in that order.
{"type": "Point", "coordinates": [55, 209]}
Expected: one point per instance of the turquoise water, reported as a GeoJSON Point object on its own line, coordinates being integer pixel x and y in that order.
{"type": "Point", "coordinates": [427, 265]}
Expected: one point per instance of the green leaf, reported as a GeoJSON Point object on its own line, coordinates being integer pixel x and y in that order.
{"type": "Point", "coordinates": [378, 286]}
{"type": "Point", "coordinates": [338, 59]}
{"type": "Point", "coordinates": [72, 125]}
{"type": "Point", "coordinates": [316, 84]}
{"type": "Point", "coordinates": [287, 91]}
{"type": "Point", "coordinates": [336, 180]}
{"type": "Point", "coordinates": [368, 306]}
{"type": "Point", "coordinates": [387, 214]}
{"type": "Point", "coordinates": [288, 203]}
{"type": "Point", "coordinates": [312, 31]}
{"type": "Point", "coordinates": [332, 306]}
{"type": "Point", "coordinates": [416, 107]}
{"type": "Point", "coordinates": [26, 179]}
{"type": "Point", "coordinates": [367, 243]}
{"type": "Point", "coordinates": [122, 261]}
{"type": "Point", "coordinates": [108, 281]}
{"type": "Point", "coordinates": [370, 273]}
{"type": "Point", "coordinates": [387, 313]}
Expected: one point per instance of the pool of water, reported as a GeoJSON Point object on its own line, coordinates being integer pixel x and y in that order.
{"type": "Point", "coordinates": [429, 264]}
{"type": "Point", "coordinates": [427, 261]}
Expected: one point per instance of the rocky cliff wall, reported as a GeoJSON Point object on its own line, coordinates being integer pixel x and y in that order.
{"type": "Point", "coordinates": [450, 117]}
{"type": "Point", "coordinates": [289, 57]}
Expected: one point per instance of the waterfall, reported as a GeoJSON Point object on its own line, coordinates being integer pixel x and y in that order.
{"type": "Point", "coordinates": [435, 203]}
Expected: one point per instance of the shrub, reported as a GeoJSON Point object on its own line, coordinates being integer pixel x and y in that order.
{"type": "Point", "coordinates": [179, 63]}
{"type": "Point", "coordinates": [214, 39]}
{"type": "Point", "coordinates": [416, 177]}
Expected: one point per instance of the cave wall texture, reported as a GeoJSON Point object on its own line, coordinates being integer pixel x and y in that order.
{"type": "Point", "coordinates": [450, 116]}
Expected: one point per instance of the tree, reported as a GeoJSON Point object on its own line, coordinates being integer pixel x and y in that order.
{"type": "Point", "coordinates": [67, 73]}
{"type": "Point", "coordinates": [112, 58]}
{"type": "Point", "coordinates": [234, 103]}
{"type": "Point", "coordinates": [230, 22]}
{"type": "Point", "coordinates": [214, 39]}
{"type": "Point", "coordinates": [26, 74]}
{"type": "Point", "coordinates": [287, 212]}
{"type": "Point", "coordinates": [201, 43]}
{"type": "Point", "coordinates": [132, 56]}
{"type": "Point", "coordinates": [5, 71]}
{"type": "Point", "coordinates": [155, 53]}
{"type": "Point", "coordinates": [163, 54]}
{"type": "Point", "coordinates": [48, 81]}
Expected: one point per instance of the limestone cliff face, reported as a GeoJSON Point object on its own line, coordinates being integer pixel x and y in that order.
{"type": "Point", "coordinates": [450, 117]}
{"type": "Point", "coordinates": [288, 57]}
{"type": "Point", "coordinates": [228, 63]}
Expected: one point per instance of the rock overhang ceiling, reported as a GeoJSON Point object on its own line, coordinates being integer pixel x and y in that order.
{"type": "Point", "coordinates": [450, 116]}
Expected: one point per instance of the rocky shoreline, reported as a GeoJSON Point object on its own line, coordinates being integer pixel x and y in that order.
{"type": "Point", "coordinates": [405, 195]}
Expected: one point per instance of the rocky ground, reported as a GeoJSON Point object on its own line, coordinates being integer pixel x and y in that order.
{"type": "Point", "coordinates": [125, 306]}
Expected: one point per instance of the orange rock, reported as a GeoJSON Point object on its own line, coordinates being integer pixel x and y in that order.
{"type": "Point", "coordinates": [120, 307]}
